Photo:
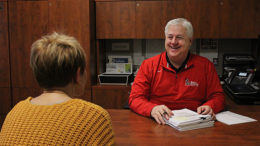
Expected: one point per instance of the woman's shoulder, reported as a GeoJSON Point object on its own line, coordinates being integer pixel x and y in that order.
{"type": "Point", "coordinates": [89, 107]}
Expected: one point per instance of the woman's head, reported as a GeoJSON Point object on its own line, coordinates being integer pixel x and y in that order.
{"type": "Point", "coordinates": [55, 59]}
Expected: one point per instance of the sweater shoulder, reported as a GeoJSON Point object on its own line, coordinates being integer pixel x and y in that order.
{"type": "Point", "coordinates": [85, 105]}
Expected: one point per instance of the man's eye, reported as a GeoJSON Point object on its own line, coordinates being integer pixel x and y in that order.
{"type": "Point", "coordinates": [180, 37]}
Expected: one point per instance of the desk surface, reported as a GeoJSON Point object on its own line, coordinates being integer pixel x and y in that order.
{"type": "Point", "coordinates": [133, 129]}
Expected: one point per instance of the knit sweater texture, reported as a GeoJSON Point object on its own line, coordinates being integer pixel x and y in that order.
{"type": "Point", "coordinates": [74, 122]}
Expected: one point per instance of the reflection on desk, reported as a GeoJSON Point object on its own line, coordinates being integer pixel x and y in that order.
{"type": "Point", "coordinates": [133, 129]}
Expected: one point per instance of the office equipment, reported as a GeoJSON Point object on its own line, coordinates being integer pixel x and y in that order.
{"type": "Point", "coordinates": [119, 65]}
{"type": "Point", "coordinates": [186, 119]}
{"type": "Point", "coordinates": [113, 79]}
{"type": "Point", "coordinates": [239, 82]}
{"type": "Point", "coordinates": [118, 71]}
{"type": "Point", "coordinates": [119, 68]}
{"type": "Point", "coordinates": [238, 75]}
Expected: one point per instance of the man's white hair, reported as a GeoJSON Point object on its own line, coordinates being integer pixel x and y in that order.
{"type": "Point", "coordinates": [185, 23]}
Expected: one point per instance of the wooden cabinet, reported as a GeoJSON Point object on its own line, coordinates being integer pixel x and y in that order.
{"type": "Point", "coordinates": [210, 18]}
{"type": "Point", "coordinates": [257, 29]}
{"type": "Point", "coordinates": [115, 19]}
{"type": "Point", "coordinates": [238, 19]}
{"type": "Point", "coordinates": [150, 19]}
{"type": "Point", "coordinates": [76, 18]}
{"type": "Point", "coordinates": [111, 97]}
{"type": "Point", "coordinates": [4, 47]}
{"type": "Point", "coordinates": [29, 20]}
{"type": "Point", "coordinates": [5, 86]}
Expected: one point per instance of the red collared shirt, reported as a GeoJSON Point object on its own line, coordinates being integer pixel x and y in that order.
{"type": "Point", "coordinates": [157, 83]}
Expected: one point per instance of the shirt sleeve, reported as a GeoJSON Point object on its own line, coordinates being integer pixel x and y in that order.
{"type": "Point", "coordinates": [214, 93]}
{"type": "Point", "coordinates": [139, 97]}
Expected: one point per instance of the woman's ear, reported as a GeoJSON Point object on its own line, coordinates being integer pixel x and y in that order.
{"type": "Point", "coordinates": [78, 74]}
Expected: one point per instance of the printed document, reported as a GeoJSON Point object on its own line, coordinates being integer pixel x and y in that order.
{"type": "Point", "coordinates": [231, 118]}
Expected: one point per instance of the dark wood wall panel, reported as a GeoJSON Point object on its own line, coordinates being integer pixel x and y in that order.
{"type": "Point", "coordinates": [210, 18]}
{"type": "Point", "coordinates": [257, 14]}
{"type": "Point", "coordinates": [74, 18]}
{"type": "Point", "coordinates": [28, 22]}
{"type": "Point", "coordinates": [180, 9]}
{"type": "Point", "coordinates": [5, 105]}
{"type": "Point", "coordinates": [5, 86]}
{"type": "Point", "coordinates": [4, 47]}
{"type": "Point", "coordinates": [150, 20]}
{"type": "Point", "coordinates": [237, 19]}
{"type": "Point", "coordinates": [115, 19]}
{"type": "Point", "coordinates": [23, 93]}
{"type": "Point", "coordinates": [205, 18]}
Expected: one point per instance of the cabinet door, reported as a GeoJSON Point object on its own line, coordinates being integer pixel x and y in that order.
{"type": "Point", "coordinates": [205, 18]}
{"type": "Point", "coordinates": [115, 19]}
{"type": "Point", "coordinates": [111, 97]}
{"type": "Point", "coordinates": [28, 21]}
{"type": "Point", "coordinates": [202, 14]}
{"type": "Point", "coordinates": [150, 19]}
{"type": "Point", "coordinates": [4, 61]}
{"type": "Point", "coordinates": [75, 18]}
{"type": "Point", "coordinates": [257, 14]}
{"type": "Point", "coordinates": [4, 47]}
{"type": "Point", "coordinates": [238, 19]}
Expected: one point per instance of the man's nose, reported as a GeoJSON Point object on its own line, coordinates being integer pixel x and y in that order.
{"type": "Point", "coordinates": [174, 40]}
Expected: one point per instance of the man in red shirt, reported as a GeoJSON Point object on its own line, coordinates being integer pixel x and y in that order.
{"type": "Point", "coordinates": [176, 79]}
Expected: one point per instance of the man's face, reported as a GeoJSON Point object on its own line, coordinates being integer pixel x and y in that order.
{"type": "Point", "coordinates": [177, 43]}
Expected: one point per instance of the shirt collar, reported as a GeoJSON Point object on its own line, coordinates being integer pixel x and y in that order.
{"type": "Point", "coordinates": [165, 62]}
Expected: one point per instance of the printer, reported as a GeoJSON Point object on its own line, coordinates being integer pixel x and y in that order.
{"type": "Point", "coordinates": [239, 72]}
{"type": "Point", "coordinates": [118, 71]}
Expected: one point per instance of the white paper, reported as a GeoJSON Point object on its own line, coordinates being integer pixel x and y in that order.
{"type": "Point", "coordinates": [186, 117]}
{"type": "Point", "coordinates": [231, 118]}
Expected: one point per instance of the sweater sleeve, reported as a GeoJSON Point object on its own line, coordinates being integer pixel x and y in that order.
{"type": "Point", "coordinates": [214, 93]}
{"type": "Point", "coordinates": [103, 134]}
{"type": "Point", "coordinates": [139, 97]}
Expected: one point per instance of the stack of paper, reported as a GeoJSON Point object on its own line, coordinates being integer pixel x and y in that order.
{"type": "Point", "coordinates": [186, 119]}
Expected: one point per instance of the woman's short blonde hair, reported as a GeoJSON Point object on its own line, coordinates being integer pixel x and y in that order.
{"type": "Point", "coordinates": [55, 59]}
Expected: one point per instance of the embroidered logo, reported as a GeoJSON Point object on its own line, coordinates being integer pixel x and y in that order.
{"type": "Point", "coordinates": [190, 83]}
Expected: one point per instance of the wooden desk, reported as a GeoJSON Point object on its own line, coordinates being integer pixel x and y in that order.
{"type": "Point", "coordinates": [133, 129]}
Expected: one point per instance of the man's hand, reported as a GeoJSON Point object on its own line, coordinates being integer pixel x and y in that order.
{"type": "Point", "coordinates": [159, 111]}
{"type": "Point", "coordinates": [206, 110]}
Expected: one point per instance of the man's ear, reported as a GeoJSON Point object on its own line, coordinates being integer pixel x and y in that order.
{"type": "Point", "coordinates": [191, 40]}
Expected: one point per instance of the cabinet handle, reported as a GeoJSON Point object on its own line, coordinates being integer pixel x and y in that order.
{"type": "Point", "coordinates": [221, 3]}
{"type": "Point", "coordinates": [137, 4]}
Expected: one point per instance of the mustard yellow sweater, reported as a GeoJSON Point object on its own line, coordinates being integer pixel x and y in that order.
{"type": "Point", "coordinates": [75, 122]}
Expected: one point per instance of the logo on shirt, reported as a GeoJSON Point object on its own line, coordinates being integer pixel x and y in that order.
{"type": "Point", "coordinates": [190, 83]}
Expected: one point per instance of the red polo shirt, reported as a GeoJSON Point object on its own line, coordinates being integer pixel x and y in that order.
{"type": "Point", "coordinates": [157, 83]}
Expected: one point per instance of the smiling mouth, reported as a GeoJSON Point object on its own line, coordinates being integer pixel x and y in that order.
{"type": "Point", "coordinates": [175, 48]}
